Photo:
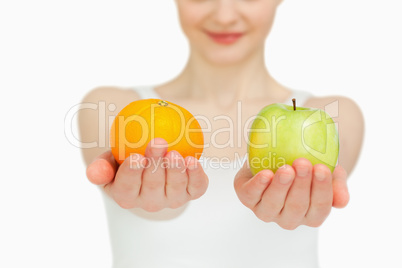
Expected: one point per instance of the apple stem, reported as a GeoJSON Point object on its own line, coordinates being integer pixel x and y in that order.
{"type": "Point", "coordinates": [294, 104]}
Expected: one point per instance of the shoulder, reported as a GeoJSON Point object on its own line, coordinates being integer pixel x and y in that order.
{"type": "Point", "coordinates": [325, 101]}
{"type": "Point", "coordinates": [110, 94]}
{"type": "Point", "coordinates": [106, 100]}
{"type": "Point", "coordinates": [338, 107]}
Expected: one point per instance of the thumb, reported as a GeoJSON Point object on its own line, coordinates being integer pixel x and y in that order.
{"type": "Point", "coordinates": [103, 169]}
{"type": "Point", "coordinates": [340, 188]}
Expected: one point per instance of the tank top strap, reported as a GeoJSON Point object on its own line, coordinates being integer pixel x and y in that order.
{"type": "Point", "coordinates": [146, 92]}
{"type": "Point", "coordinates": [301, 97]}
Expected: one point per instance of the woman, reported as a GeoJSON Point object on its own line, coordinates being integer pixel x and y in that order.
{"type": "Point", "coordinates": [242, 220]}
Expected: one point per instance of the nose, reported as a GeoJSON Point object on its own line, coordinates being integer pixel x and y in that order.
{"type": "Point", "coordinates": [225, 12]}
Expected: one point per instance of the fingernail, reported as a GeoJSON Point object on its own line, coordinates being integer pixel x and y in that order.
{"type": "Point", "coordinates": [158, 147]}
{"type": "Point", "coordinates": [158, 152]}
{"type": "Point", "coordinates": [319, 175]}
{"type": "Point", "coordinates": [301, 171]}
{"type": "Point", "coordinates": [264, 180]}
{"type": "Point", "coordinates": [285, 178]}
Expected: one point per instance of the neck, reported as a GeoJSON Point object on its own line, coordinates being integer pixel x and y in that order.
{"type": "Point", "coordinates": [227, 84]}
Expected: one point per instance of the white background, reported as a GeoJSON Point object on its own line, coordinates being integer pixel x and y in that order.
{"type": "Point", "coordinates": [54, 52]}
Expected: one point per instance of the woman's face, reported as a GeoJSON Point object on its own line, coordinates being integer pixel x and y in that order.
{"type": "Point", "coordinates": [226, 31]}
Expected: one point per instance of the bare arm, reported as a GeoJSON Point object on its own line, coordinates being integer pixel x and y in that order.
{"type": "Point", "coordinates": [94, 123]}
{"type": "Point", "coordinates": [349, 119]}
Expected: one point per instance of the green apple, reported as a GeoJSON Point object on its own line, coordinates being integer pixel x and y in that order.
{"type": "Point", "coordinates": [282, 133]}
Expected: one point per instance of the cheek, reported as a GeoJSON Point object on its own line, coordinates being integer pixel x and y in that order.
{"type": "Point", "coordinates": [261, 20]}
{"type": "Point", "coordinates": [190, 16]}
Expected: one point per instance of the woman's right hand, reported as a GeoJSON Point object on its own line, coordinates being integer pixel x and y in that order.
{"type": "Point", "coordinates": [152, 182]}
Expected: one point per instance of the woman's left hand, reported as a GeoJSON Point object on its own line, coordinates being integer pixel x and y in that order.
{"type": "Point", "coordinates": [301, 194]}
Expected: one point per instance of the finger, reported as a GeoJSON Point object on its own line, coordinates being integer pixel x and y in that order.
{"type": "Point", "coordinates": [176, 180]}
{"type": "Point", "coordinates": [197, 179]}
{"type": "Point", "coordinates": [298, 198]}
{"type": "Point", "coordinates": [321, 196]}
{"type": "Point", "coordinates": [103, 169]}
{"type": "Point", "coordinates": [126, 186]}
{"type": "Point", "coordinates": [340, 188]}
{"type": "Point", "coordinates": [154, 177]}
{"type": "Point", "coordinates": [252, 189]}
{"type": "Point", "coordinates": [274, 197]}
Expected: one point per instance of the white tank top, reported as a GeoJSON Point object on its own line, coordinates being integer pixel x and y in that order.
{"type": "Point", "coordinates": [214, 231]}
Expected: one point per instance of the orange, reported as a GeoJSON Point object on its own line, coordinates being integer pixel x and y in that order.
{"type": "Point", "coordinates": [143, 120]}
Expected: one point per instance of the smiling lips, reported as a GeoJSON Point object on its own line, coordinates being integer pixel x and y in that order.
{"type": "Point", "coordinates": [224, 38]}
